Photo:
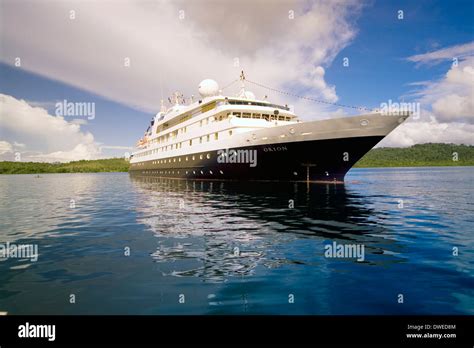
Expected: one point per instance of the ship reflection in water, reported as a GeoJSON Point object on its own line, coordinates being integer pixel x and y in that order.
{"type": "Point", "coordinates": [217, 230]}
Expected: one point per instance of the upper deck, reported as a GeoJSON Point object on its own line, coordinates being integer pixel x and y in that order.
{"type": "Point", "coordinates": [182, 113]}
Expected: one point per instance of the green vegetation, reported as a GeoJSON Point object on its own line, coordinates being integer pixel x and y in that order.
{"type": "Point", "coordinates": [419, 156]}
{"type": "Point", "coordinates": [414, 156]}
{"type": "Point", "coordinates": [94, 166]}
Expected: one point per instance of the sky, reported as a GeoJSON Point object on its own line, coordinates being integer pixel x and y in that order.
{"type": "Point", "coordinates": [121, 57]}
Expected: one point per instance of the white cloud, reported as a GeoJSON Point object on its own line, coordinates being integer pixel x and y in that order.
{"type": "Point", "coordinates": [5, 147]}
{"type": "Point", "coordinates": [449, 53]}
{"type": "Point", "coordinates": [170, 53]}
{"type": "Point", "coordinates": [447, 103]}
{"type": "Point", "coordinates": [42, 137]}
{"type": "Point", "coordinates": [420, 132]}
{"type": "Point", "coordinates": [454, 106]}
{"type": "Point", "coordinates": [79, 121]}
{"type": "Point", "coordinates": [116, 147]}
{"type": "Point", "coordinates": [86, 151]}
{"type": "Point", "coordinates": [451, 98]}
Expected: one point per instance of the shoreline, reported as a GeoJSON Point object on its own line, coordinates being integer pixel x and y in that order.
{"type": "Point", "coordinates": [355, 167]}
{"type": "Point", "coordinates": [416, 156]}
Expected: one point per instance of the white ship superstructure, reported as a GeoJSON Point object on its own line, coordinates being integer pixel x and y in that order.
{"type": "Point", "coordinates": [221, 137]}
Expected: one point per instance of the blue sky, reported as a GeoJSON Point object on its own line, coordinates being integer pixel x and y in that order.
{"type": "Point", "coordinates": [378, 68]}
{"type": "Point", "coordinates": [369, 34]}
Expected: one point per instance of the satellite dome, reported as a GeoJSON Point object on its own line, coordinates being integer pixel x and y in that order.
{"type": "Point", "coordinates": [208, 88]}
{"type": "Point", "coordinates": [249, 95]}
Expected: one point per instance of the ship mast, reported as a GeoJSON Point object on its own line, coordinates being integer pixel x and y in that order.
{"type": "Point", "coordinates": [242, 85]}
{"type": "Point", "coordinates": [163, 107]}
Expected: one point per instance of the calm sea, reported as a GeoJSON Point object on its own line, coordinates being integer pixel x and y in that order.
{"type": "Point", "coordinates": [115, 244]}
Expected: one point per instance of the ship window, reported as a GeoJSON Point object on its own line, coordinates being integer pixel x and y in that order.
{"type": "Point", "coordinates": [256, 116]}
{"type": "Point", "coordinates": [200, 123]}
{"type": "Point", "coordinates": [237, 114]}
{"type": "Point", "coordinates": [220, 118]}
{"type": "Point", "coordinates": [208, 137]}
{"type": "Point", "coordinates": [186, 158]}
{"type": "Point", "coordinates": [174, 159]}
{"type": "Point", "coordinates": [200, 140]}
{"type": "Point", "coordinates": [190, 142]}
{"type": "Point", "coordinates": [216, 136]}
{"type": "Point", "coordinates": [179, 159]}
{"type": "Point", "coordinates": [246, 115]}
{"type": "Point", "coordinates": [230, 132]}
{"type": "Point", "coordinates": [207, 120]}
{"type": "Point", "coordinates": [193, 158]}
{"type": "Point", "coordinates": [208, 156]}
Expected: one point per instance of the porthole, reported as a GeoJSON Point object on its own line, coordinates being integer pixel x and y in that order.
{"type": "Point", "coordinates": [220, 171]}
{"type": "Point", "coordinates": [292, 130]}
{"type": "Point", "coordinates": [364, 122]}
{"type": "Point", "coordinates": [200, 156]}
{"type": "Point", "coordinates": [208, 156]}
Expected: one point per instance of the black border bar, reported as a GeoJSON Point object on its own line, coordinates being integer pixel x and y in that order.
{"type": "Point", "coordinates": [240, 330]}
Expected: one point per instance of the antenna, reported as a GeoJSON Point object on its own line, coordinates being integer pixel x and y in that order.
{"type": "Point", "coordinates": [163, 107]}
{"type": "Point", "coordinates": [242, 84]}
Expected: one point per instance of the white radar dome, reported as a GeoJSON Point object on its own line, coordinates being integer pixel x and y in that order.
{"type": "Point", "coordinates": [249, 95]}
{"type": "Point", "coordinates": [208, 88]}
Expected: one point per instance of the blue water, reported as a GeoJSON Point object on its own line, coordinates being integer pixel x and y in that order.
{"type": "Point", "coordinates": [239, 248]}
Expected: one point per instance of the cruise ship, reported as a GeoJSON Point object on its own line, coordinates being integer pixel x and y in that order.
{"type": "Point", "coordinates": [221, 137]}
